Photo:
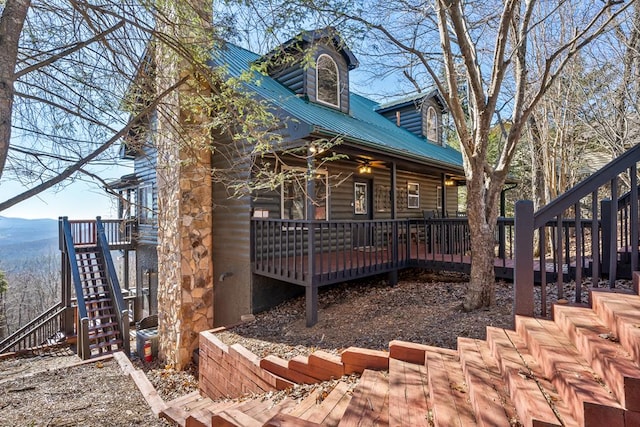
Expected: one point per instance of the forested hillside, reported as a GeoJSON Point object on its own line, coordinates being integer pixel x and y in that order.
{"type": "Point", "coordinates": [21, 239]}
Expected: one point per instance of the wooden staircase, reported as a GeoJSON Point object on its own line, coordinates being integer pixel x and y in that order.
{"type": "Point", "coordinates": [581, 369]}
{"type": "Point", "coordinates": [104, 329]}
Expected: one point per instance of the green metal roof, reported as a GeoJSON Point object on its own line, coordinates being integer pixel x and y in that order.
{"type": "Point", "coordinates": [363, 126]}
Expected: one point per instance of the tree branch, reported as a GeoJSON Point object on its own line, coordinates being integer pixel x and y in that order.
{"type": "Point", "coordinates": [67, 52]}
{"type": "Point", "coordinates": [85, 160]}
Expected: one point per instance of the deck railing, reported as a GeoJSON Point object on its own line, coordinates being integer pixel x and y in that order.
{"type": "Point", "coordinates": [38, 332]}
{"type": "Point", "coordinates": [325, 252]}
{"type": "Point", "coordinates": [345, 250]}
{"type": "Point", "coordinates": [599, 228]}
{"type": "Point", "coordinates": [119, 232]}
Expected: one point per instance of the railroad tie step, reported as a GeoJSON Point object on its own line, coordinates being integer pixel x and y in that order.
{"type": "Point", "coordinates": [601, 349]}
{"type": "Point", "coordinates": [533, 396]}
{"type": "Point", "coordinates": [487, 391]}
{"type": "Point", "coordinates": [620, 313]}
{"type": "Point", "coordinates": [408, 394]}
{"type": "Point", "coordinates": [570, 373]}
{"type": "Point", "coordinates": [369, 405]}
{"type": "Point", "coordinates": [448, 393]}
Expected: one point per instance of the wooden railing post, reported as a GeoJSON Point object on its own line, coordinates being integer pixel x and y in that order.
{"type": "Point", "coordinates": [523, 275]}
{"type": "Point", "coordinates": [311, 291]}
{"type": "Point", "coordinates": [605, 224]}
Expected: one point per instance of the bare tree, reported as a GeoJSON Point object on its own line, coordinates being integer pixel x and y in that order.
{"type": "Point", "coordinates": [488, 46]}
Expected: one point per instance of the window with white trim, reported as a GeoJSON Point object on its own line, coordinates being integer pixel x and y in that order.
{"type": "Point", "coordinates": [432, 125]}
{"type": "Point", "coordinates": [413, 195]}
{"type": "Point", "coordinates": [327, 81]}
{"type": "Point", "coordinates": [439, 198]}
{"type": "Point", "coordinates": [293, 195]}
{"type": "Point", "coordinates": [145, 204]}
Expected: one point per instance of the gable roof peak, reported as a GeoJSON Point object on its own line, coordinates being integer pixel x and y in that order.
{"type": "Point", "coordinates": [308, 38]}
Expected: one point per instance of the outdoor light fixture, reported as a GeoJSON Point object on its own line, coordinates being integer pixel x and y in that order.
{"type": "Point", "coordinates": [449, 182]}
{"type": "Point", "coordinates": [364, 168]}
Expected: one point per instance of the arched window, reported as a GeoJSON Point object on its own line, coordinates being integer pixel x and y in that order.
{"type": "Point", "coordinates": [432, 125]}
{"type": "Point", "coordinates": [327, 81]}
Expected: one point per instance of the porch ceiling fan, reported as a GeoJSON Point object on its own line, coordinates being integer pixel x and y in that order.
{"type": "Point", "coordinates": [365, 165]}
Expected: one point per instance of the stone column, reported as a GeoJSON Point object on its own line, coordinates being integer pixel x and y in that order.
{"type": "Point", "coordinates": [185, 266]}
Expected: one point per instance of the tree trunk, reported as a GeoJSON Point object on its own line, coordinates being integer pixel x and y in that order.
{"type": "Point", "coordinates": [11, 23]}
{"type": "Point", "coordinates": [482, 209]}
{"type": "Point", "coordinates": [481, 292]}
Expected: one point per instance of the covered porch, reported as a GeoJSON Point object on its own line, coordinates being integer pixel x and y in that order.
{"type": "Point", "coordinates": [317, 253]}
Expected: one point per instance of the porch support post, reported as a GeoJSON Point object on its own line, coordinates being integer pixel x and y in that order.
{"type": "Point", "coordinates": [394, 183]}
{"type": "Point", "coordinates": [311, 303]}
{"type": "Point", "coordinates": [393, 275]}
{"type": "Point", "coordinates": [311, 290]}
{"type": "Point", "coordinates": [523, 277]}
{"type": "Point", "coordinates": [443, 180]}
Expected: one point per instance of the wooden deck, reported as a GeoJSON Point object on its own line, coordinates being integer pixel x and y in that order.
{"type": "Point", "coordinates": [579, 370]}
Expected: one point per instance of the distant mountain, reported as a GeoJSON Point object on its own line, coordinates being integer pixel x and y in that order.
{"type": "Point", "coordinates": [26, 238]}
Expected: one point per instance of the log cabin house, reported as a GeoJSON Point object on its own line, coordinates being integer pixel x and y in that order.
{"type": "Point", "coordinates": [349, 221]}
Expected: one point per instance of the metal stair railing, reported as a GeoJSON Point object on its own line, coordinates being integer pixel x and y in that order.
{"type": "Point", "coordinates": [604, 231]}
{"type": "Point", "coordinates": [122, 312]}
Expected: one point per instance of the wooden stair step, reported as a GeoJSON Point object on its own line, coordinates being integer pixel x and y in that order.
{"type": "Point", "coordinates": [95, 271]}
{"type": "Point", "coordinates": [234, 418]}
{"type": "Point", "coordinates": [102, 294]}
{"type": "Point", "coordinates": [193, 409]}
{"type": "Point", "coordinates": [605, 355]}
{"type": "Point", "coordinates": [369, 405]}
{"type": "Point", "coordinates": [280, 367]}
{"type": "Point", "coordinates": [101, 325]}
{"type": "Point", "coordinates": [408, 351]}
{"type": "Point", "coordinates": [101, 300]}
{"type": "Point", "coordinates": [96, 309]}
{"type": "Point", "coordinates": [448, 394]}
{"type": "Point", "coordinates": [331, 410]}
{"type": "Point", "coordinates": [106, 345]}
{"type": "Point", "coordinates": [286, 420]}
{"type": "Point", "coordinates": [570, 373]}
{"type": "Point", "coordinates": [487, 391]}
{"type": "Point", "coordinates": [621, 313]}
{"type": "Point", "coordinates": [94, 282]}
{"type": "Point", "coordinates": [408, 394]}
{"type": "Point", "coordinates": [175, 409]}
{"type": "Point", "coordinates": [263, 409]}
{"type": "Point", "coordinates": [202, 415]}
{"type": "Point", "coordinates": [327, 411]}
{"type": "Point", "coordinates": [533, 396]}
{"type": "Point", "coordinates": [102, 335]}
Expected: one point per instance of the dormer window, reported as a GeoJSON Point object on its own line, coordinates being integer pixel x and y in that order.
{"type": "Point", "coordinates": [327, 81]}
{"type": "Point", "coordinates": [432, 125]}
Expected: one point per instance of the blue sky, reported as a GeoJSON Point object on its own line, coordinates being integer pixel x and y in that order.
{"type": "Point", "coordinates": [79, 200]}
